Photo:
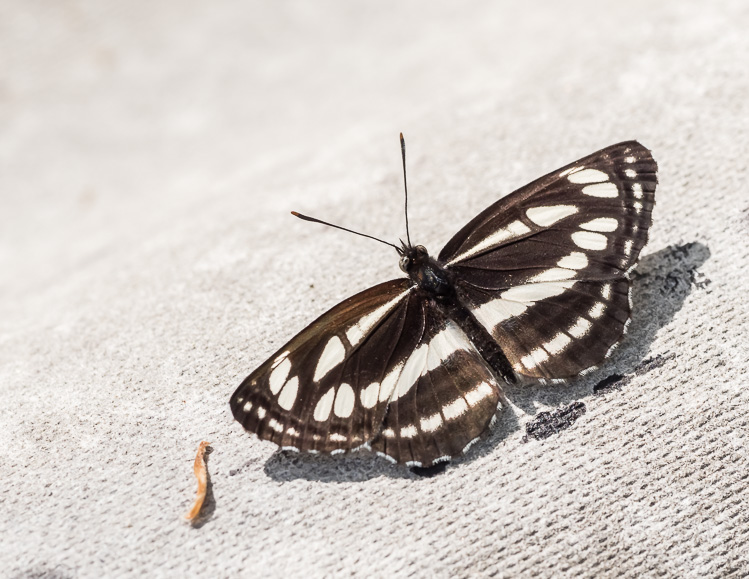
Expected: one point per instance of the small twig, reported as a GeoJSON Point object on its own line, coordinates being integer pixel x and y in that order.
{"type": "Point", "coordinates": [201, 473]}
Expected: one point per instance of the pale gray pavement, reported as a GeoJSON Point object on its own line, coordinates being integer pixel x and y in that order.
{"type": "Point", "coordinates": [149, 155]}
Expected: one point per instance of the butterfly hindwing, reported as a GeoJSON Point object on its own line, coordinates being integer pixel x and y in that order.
{"type": "Point", "coordinates": [544, 269]}
{"type": "Point", "coordinates": [445, 399]}
{"type": "Point", "coordinates": [554, 330]}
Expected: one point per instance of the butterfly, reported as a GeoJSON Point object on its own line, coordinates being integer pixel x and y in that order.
{"type": "Point", "coordinates": [535, 286]}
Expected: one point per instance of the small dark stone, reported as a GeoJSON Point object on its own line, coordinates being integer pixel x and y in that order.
{"type": "Point", "coordinates": [547, 423]}
{"type": "Point", "coordinates": [429, 471]}
{"type": "Point", "coordinates": [613, 382]}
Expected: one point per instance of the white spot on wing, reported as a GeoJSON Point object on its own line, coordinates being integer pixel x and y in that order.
{"type": "Point", "coordinates": [637, 190]}
{"type": "Point", "coordinates": [275, 425]}
{"type": "Point", "coordinates": [443, 345]}
{"type": "Point", "coordinates": [278, 376]}
{"type": "Point", "coordinates": [332, 355]}
{"type": "Point", "coordinates": [408, 431]}
{"type": "Point", "coordinates": [389, 383]}
{"type": "Point", "coordinates": [431, 423]}
{"type": "Point", "coordinates": [596, 311]}
{"type": "Point", "coordinates": [386, 457]}
{"type": "Point", "coordinates": [588, 176]}
{"type": "Point", "coordinates": [388, 433]}
{"type": "Point", "coordinates": [412, 371]}
{"type": "Point", "coordinates": [369, 395]}
{"type": "Point", "coordinates": [344, 401]}
{"type": "Point", "coordinates": [605, 190]}
{"type": "Point", "coordinates": [280, 359]}
{"type": "Point", "coordinates": [497, 310]}
{"type": "Point", "coordinates": [324, 406]}
{"type": "Point", "coordinates": [630, 159]}
{"type": "Point", "coordinates": [335, 437]}
{"type": "Point", "coordinates": [575, 260]}
{"type": "Point", "coordinates": [479, 393]}
{"type": "Point", "coordinates": [631, 173]}
{"type": "Point", "coordinates": [431, 355]}
{"type": "Point", "coordinates": [470, 444]}
{"type": "Point", "coordinates": [545, 216]}
{"type": "Point", "coordinates": [360, 329]}
{"type": "Point", "coordinates": [288, 394]}
{"type": "Point", "coordinates": [606, 291]}
{"type": "Point", "coordinates": [553, 274]}
{"type": "Point", "coordinates": [536, 291]}
{"type": "Point", "coordinates": [455, 408]}
{"type": "Point", "coordinates": [570, 171]}
{"type": "Point", "coordinates": [558, 343]}
{"type": "Point", "coordinates": [601, 224]}
{"type": "Point", "coordinates": [535, 358]}
{"type": "Point", "coordinates": [590, 240]}
{"type": "Point", "coordinates": [247, 406]}
{"type": "Point", "coordinates": [260, 411]}
{"type": "Point", "coordinates": [580, 328]}
{"type": "Point", "coordinates": [513, 230]}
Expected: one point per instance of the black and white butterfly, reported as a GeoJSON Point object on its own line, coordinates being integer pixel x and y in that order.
{"type": "Point", "coordinates": [536, 285]}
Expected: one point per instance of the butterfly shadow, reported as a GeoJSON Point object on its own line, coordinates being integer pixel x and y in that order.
{"type": "Point", "coordinates": [287, 465]}
{"type": "Point", "coordinates": [661, 283]}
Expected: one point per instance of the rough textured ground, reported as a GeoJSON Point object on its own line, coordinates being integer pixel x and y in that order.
{"type": "Point", "coordinates": [149, 155]}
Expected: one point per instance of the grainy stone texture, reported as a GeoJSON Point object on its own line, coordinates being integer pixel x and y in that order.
{"type": "Point", "coordinates": [149, 155]}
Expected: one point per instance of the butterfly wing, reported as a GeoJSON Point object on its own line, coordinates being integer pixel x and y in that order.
{"type": "Point", "coordinates": [385, 367]}
{"type": "Point", "coordinates": [446, 396]}
{"type": "Point", "coordinates": [545, 269]}
{"type": "Point", "coordinates": [327, 389]}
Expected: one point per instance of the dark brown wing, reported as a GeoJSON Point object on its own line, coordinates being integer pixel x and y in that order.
{"type": "Point", "coordinates": [446, 396]}
{"type": "Point", "coordinates": [385, 367]}
{"type": "Point", "coordinates": [544, 269]}
{"type": "Point", "coordinates": [328, 388]}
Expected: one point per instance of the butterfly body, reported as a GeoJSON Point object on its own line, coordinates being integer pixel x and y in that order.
{"type": "Point", "coordinates": [435, 282]}
{"type": "Point", "coordinates": [537, 285]}
{"type": "Point", "coordinates": [426, 272]}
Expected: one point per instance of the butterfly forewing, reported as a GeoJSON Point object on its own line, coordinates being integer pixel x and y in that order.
{"type": "Point", "coordinates": [327, 389]}
{"type": "Point", "coordinates": [544, 269]}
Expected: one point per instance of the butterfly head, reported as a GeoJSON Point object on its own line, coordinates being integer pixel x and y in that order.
{"type": "Point", "coordinates": [412, 257]}
{"type": "Point", "coordinates": [424, 271]}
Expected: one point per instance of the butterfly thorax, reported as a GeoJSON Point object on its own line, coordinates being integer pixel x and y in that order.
{"type": "Point", "coordinates": [425, 271]}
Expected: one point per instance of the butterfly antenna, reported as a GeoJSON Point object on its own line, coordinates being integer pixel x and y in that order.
{"type": "Point", "coordinates": [405, 186]}
{"type": "Point", "coordinates": [315, 220]}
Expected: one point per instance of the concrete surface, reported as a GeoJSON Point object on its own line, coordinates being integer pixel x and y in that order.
{"type": "Point", "coordinates": [149, 155]}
